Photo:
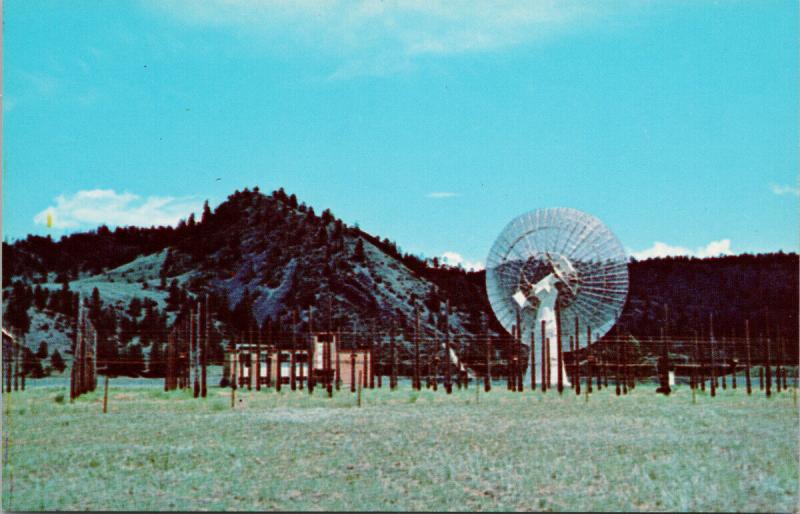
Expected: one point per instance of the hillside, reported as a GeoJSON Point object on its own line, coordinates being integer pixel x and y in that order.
{"type": "Point", "coordinates": [261, 257]}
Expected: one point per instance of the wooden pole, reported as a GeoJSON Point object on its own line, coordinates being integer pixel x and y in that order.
{"type": "Point", "coordinates": [338, 367]}
{"type": "Point", "coordinates": [713, 356]}
{"type": "Point", "coordinates": [533, 359]}
{"type": "Point", "coordinates": [437, 348]}
{"type": "Point", "coordinates": [625, 369]}
{"type": "Point", "coordinates": [518, 346]}
{"type": "Point", "coordinates": [379, 362]}
{"type": "Point", "coordinates": [692, 369]}
{"type": "Point", "coordinates": [747, 380]}
{"type": "Point", "coordinates": [327, 359]}
{"type": "Point", "coordinates": [417, 384]}
{"type": "Point", "coordinates": [559, 355]}
{"type": "Point", "coordinates": [392, 356]}
{"type": "Point", "coordinates": [576, 360]}
{"type": "Point", "coordinates": [487, 381]}
{"type": "Point", "coordinates": [105, 394]}
{"type": "Point", "coordinates": [448, 386]}
{"type": "Point", "coordinates": [725, 356]}
{"type": "Point", "coordinates": [352, 371]}
{"type": "Point", "coordinates": [589, 371]}
{"type": "Point", "coordinates": [572, 356]}
{"type": "Point", "coordinates": [370, 342]}
{"type": "Point", "coordinates": [358, 398]}
{"type": "Point", "coordinates": [312, 379]}
{"type": "Point", "coordinates": [618, 341]}
{"type": "Point", "coordinates": [235, 379]}
{"type": "Point", "coordinates": [544, 359]}
{"type": "Point", "coordinates": [778, 370]}
{"type": "Point", "coordinates": [768, 367]}
{"type": "Point", "coordinates": [365, 367]}
{"type": "Point", "coordinates": [206, 338]}
{"type": "Point", "coordinates": [785, 372]}
{"type": "Point", "coordinates": [733, 360]}
{"type": "Point", "coordinates": [278, 370]}
{"type": "Point", "coordinates": [293, 364]}
{"type": "Point", "coordinates": [258, 357]}
{"type": "Point", "coordinates": [193, 329]}
{"type": "Point", "coordinates": [512, 368]}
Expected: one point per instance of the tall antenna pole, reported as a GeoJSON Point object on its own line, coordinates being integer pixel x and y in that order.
{"type": "Point", "coordinates": [560, 366]}
{"type": "Point", "coordinates": [543, 341]}
{"type": "Point", "coordinates": [206, 337]}
{"type": "Point", "coordinates": [417, 385]}
{"type": "Point", "coordinates": [312, 380]}
{"type": "Point", "coordinates": [713, 356]}
{"type": "Point", "coordinates": [447, 376]}
{"type": "Point", "coordinates": [194, 324]}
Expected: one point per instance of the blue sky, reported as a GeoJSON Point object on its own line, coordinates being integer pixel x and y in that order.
{"type": "Point", "coordinates": [676, 123]}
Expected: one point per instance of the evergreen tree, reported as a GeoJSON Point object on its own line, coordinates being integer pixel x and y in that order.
{"type": "Point", "coordinates": [31, 365]}
{"type": "Point", "coordinates": [206, 216]}
{"type": "Point", "coordinates": [40, 297]}
{"type": "Point", "coordinates": [133, 361]}
{"type": "Point", "coordinates": [358, 253]}
{"type": "Point", "coordinates": [16, 315]}
{"type": "Point", "coordinates": [41, 353]}
{"type": "Point", "coordinates": [57, 362]}
{"type": "Point", "coordinates": [173, 296]}
{"type": "Point", "coordinates": [135, 307]}
{"type": "Point", "coordinates": [322, 236]}
{"type": "Point", "coordinates": [155, 360]}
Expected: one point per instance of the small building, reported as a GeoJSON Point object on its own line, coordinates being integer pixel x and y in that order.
{"type": "Point", "coordinates": [329, 355]}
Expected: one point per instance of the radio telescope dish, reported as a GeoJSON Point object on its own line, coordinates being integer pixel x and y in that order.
{"type": "Point", "coordinates": [556, 258]}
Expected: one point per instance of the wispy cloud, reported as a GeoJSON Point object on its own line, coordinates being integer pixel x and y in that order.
{"type": "Point", "coordinates": [784, 190]}
{"type": "Point", "coordinates": [659, 249]}
{"type": "Point", "coordinates": [95, 207]}
{"type": "Point", "coordinates": [376, 37]}
{"type": "Point", "coordinates": [441, 194]}
{"type": "Point", "coordinates": [455, 259]}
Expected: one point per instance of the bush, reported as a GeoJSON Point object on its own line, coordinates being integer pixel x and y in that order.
{"type": "Point", "coordinates": [59, 398]}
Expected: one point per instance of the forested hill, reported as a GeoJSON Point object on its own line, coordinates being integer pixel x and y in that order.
{"type": "Point", "coordinates": [269, 254]}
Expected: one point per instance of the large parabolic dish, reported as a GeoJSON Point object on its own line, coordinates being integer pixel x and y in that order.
{"type": "Point", "coordinates": [557, 258]}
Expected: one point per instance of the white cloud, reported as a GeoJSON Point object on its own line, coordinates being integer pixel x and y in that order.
{"type": "Point", "coordinates": [455, 259]}
{"type": "Point", "coordinates": [441, 194]}
{"type": "Point", "coordinates": [378, 37]}
{"type": "Point", "coordinates": [95, 207]}
{"type": "Point", "coordinates": [659, 249]}
{"type": "Point", "coordinates": [784, 190]}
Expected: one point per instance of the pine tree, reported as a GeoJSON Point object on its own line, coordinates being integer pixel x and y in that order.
{"type": "Point", "coordinates": [135, 307]}
{"type": "Point", "coordinates": [206, 216]}
{"type": "Point", "coordinates": [358, 253]}
{"type": "Point", "coordinates": [57, 362]}
{"type": "Point", "coordinates": [41, 353]}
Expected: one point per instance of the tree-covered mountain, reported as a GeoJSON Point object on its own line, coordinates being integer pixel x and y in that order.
{"type": "Point", "coordinates": [262, 257]}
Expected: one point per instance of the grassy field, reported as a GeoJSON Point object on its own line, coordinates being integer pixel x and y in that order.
{"type": "Point", "coordinates": [404, 450]}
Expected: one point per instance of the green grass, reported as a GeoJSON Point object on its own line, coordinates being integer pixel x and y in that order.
{"type": "Point", "coordinates": [401, 451]}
